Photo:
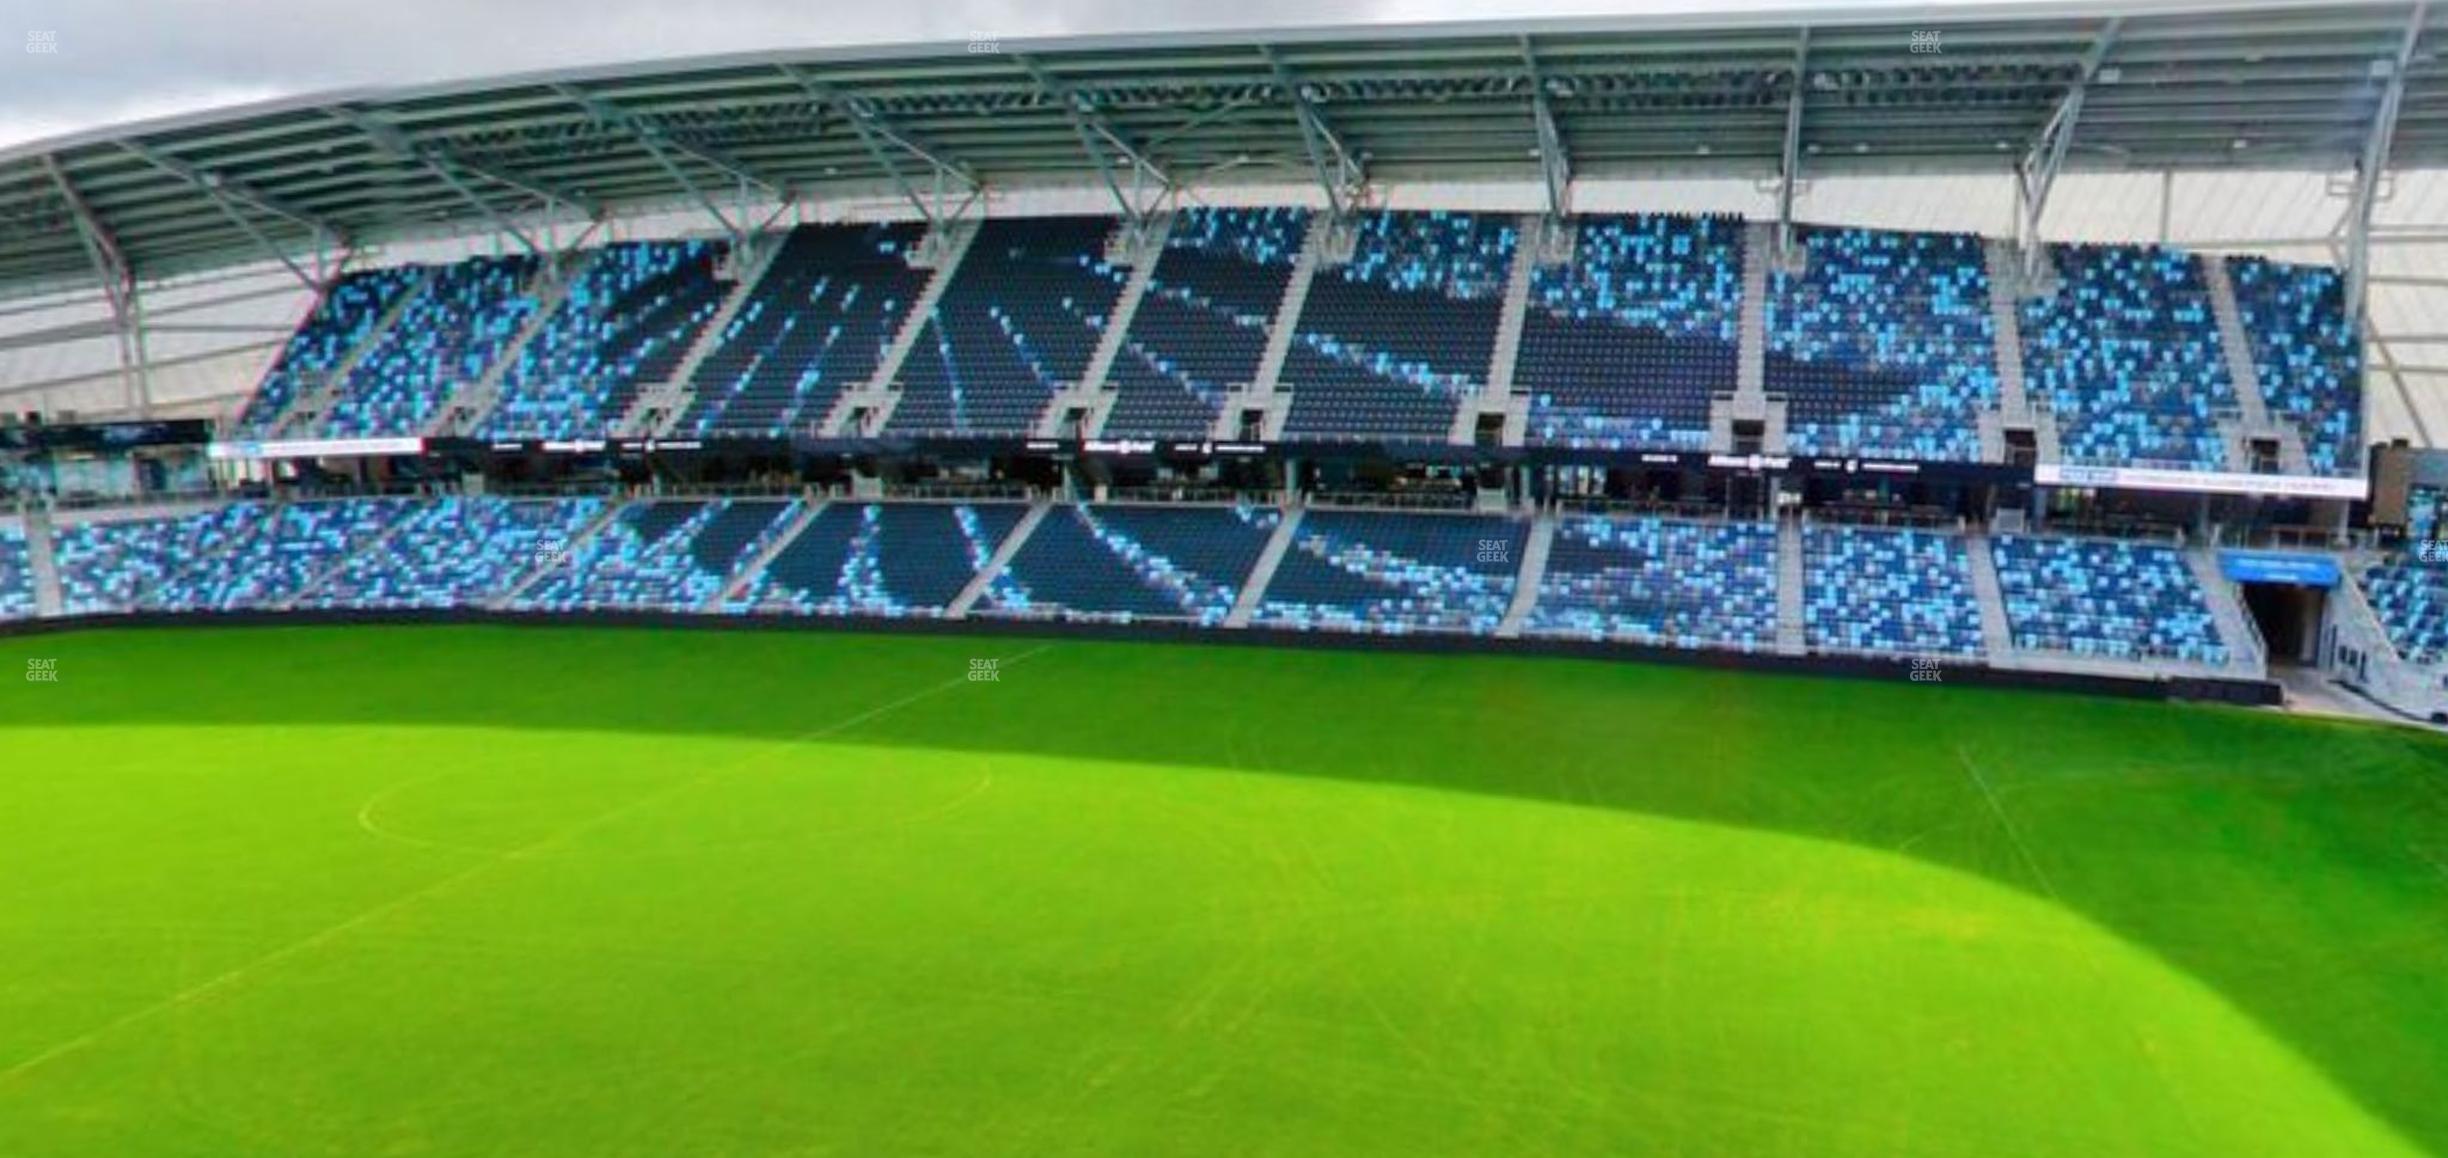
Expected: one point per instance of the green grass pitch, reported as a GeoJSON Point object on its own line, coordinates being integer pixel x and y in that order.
{"type": "Point", "coordinates": [544, 892]}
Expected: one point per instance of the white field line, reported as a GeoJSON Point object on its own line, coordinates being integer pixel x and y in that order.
{"type": "Point", "coordinates": [240, 974]}
{"type": "Point", "coordinates": [2012, 833]}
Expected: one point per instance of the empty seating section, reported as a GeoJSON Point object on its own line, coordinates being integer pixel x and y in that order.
{"type": "Point", "coordinates": [1128, 562]}
{"type": "Point", "coordinates": [1660, 581]}
{"type": "Point", "coordinates": [1884, 345]}
{"type": "Point", "coordinates": [890, 559]}
{"type": "Point", "coordinates": [2306, 355]}
{"type": "Point", "coordinates": [1201, 327]}
{"type": "Point", "coordinates": [1390, 341]}
{"type": "Point", "coordinates": [2106, 598]}
{"type": "Point", "coordinates": [16, 575]}
{"type": "Point", "coordinates": [1906, 592]}
{"type": "Point", "coordinates": [2126, 352]}
{"type": "Point", "coordinates": [668, 555]}
{"type": "Point", "coordinates": [1623, 347]}
{"type": "Point", "coordinates": [1019, 322]}
{"type": "Point", "coordinates": [444, 338]}
{"type": "Point", "coordinates": [340, 322]}
{"type": "Point", "coordinates": [816, 324]}
{"type": "Point", "coordinates": [458, 551]}
{"type": "Point", "coordinates": [243, 555]}
{"type": "Point", "coordinates": [1396, 573]}
{"type": "Point", "coordinates": [631, 312]}
{"type": "Point", "coordinates": [2410, 599]}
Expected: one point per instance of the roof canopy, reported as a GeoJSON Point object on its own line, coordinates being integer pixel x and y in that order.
{"type": "Point", "coordinates": [2155, 86]}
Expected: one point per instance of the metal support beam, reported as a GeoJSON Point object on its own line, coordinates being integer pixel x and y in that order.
{"type": "Point", "coordinates": [2036, 171]}
{"type": "Point", "coordinates": [1555, 159]}
{"type": "Point", "coordinates": [118, 281]}
{"type": "Point", "coordinates": [455, 171]}
{"type": "Point", "coordinates": [1098, 139]}
{"type": "Point", "coordinates": [2374, 164]}
{"type": "Point", "coordinates": [1339, 172]}
{"type": "Point", "coordinates": [1789, 169]}
{"type": "Point", "coordinates": [660, 144]}
{"type": "Point", "coordinates": [228, 196]}
{"type": "Point", "coordinates": [875, 132]}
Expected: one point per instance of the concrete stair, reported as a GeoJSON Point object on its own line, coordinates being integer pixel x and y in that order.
{"type": "Point", "coordinates": [2014, 400]}
{"type": "Point", "coordinates": [2245, 652]}
{"type": "Point", "coordinates": [1533, 570]}
{"type": "Point", "coordinates": [42, 561]}
{"type": "Point", "coordinates": [539, 568]}
{"type": "Point", "coordinates": [1288, 311]}
{"type": "Point", "coordinates": [1094, 404]}
{"type": "Point", "coordinates": [995, 563]}
{"type": "Point", "coordinates": [658, 407]}
{"type": "Point", "coordinates": [1253, 589]}
{"type": "Point", "coordinates": [304, 411]}
{"type": "Point", "coordinates": [1791, 581]}
{"type": "Point", "coordinates": [469, 408]}
{"type": "Point", "coordinates": [1997, 635]}
{"type": "Point", "coordinates": [1117, 328]}
{"type": "Point", "coordinates": [2236, 346]}
{"type": "Point", "coordinates": [811, 506]}
{"type": "Point", "coordinates": [1759, 255]}
{"type": "Point", "coordinates": [945, 245]}
{"type": "Point", "coordinates": [1516, 300]}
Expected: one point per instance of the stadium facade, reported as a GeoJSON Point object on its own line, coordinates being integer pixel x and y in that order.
{"type": "Point", "coordinates": [2004, 340]}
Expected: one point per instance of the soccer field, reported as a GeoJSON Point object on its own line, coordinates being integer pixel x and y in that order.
{"type": "Point", "coordinates": [542, 892]}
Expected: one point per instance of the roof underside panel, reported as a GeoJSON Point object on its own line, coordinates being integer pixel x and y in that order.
{"type": "Point", "coordinates": [2178, 86]}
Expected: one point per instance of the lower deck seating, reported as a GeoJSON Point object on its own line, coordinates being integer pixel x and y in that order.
{"type": "Point", "coordinates": [458, 551]}
{"type": "Point", "coordinates": [2411, 600]}
{"type": "Point", "coordinates": [2106, 598]}
{"type": "Point", "coordinates": [1130, 562]}
{"type": "Point", "coordinates": [662, 555]}
{"type": "Point", "coordinates": [1396, 573]}
{"type": "Point", "coordinates": [895, 560]}
{"type": "Point", "coordinates": [1660, 581]}
{"type": "Point", "coordinates": [16, 575]}
{"type": "Point", "coordinates": [242, 555]}
{"type": "Point", "coordinates": [1903, 592]}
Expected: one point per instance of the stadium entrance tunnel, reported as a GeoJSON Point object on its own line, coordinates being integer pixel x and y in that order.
{"type": "Point", "coordinates": [2288, 616]}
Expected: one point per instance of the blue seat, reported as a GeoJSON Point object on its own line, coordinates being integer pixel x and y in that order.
{"type": "Point", "coordinates": [1020, 321]}
{"type": "Point", "coordinates": [1660, 581]}
{"type": "Point", "coordinates": [458, 551]}
{"type": "Point", "coordinates": [444, 339]}
{"type": "Point", "coordinates": [1114, 562]}
{"type": "Point", "coordinates": [1390, 342]}
{"type": "Point", "coordinates": [340, 322]}
{"type": "Point", "coordinates": [1902, 592]}
{"type": "Point", "coordinates": [1623, 347]}
{"type": "Point", "coordinates": [895, 560]}
{"type": "Point", "coordinates": [1396, 573]}
{"type": "Point", "coordinates": [2107, 598]}
{"type": "Point", "coordinates": [662, 555]}
{"type": "Point", "coordinates": [2306, 354]}
{"type": "Point", "coordinates": [1201, 328]}
{"type": "Point", "coordinates": [817, 324]}
{"type": "Point", "coordinates": [1884, 345]}
{"type": "Point", "coordinates": [2125, 350]}
{"type": "Point", "coordinates": [630, 314]}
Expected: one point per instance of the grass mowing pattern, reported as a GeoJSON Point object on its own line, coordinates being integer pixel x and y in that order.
{"type": "Point", "coordinates": [547, 892]}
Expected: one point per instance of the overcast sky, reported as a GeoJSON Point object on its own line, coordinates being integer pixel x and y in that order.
{"type": "Point", "coordinates": [110, 61]}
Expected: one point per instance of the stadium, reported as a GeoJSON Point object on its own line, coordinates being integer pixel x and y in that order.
{"type": "Point", "coordinates": [1862, 581]}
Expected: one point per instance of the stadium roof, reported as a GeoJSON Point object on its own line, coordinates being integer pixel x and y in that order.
{"type": "Point", "coordinates": [1972, 89]}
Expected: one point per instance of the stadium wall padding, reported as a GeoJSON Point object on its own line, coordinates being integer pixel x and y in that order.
{"type": "Point", "coordinates": [2251, 693]}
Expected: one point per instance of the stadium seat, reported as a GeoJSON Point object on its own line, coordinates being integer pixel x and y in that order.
{"type": "Point", "coordinates": [1019, 322]}
{"type": "Point", "coordinates": [1390, 342]}
{"type": "Point", "coordinates": [895, 560]}
{"type": "Point", "coordinates": [2125, 351]}
{"type": "Point", "coordinates": [1201, 328]}
{"type": "Point", "coordinates": [669, 555]}
{"type": "Point", "coordinates": [1132, 563]}
{"type": "Point", "coordinates": [1884, 345]}
{"type": "Point", "coordinates": [1396, 573]}
{"type": "Point", "coordinates": [2306, 354]}
{"type": "Point", "coordinates": [340, 322]}
{"type": "Point", "coordinates": [444, 339]}
{"type": "Point", "coordinates": [631, 313]}
{"type": "Point", "coordinates": [1659, 581]}
{"type": "Point", "coordinates": [817, 323]}
{"type": "Point", "coordinates": [1898, 592]}
{"type": "Point", "coordinates": [1622, 347]}
{"type": "Point", "coordinates": [2105, 598]}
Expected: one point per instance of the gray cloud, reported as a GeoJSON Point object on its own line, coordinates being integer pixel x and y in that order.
{"type": "Point", "coordinates": [122, 59]}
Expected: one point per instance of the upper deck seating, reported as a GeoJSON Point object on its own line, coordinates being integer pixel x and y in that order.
{"type": "Point", "coordinates": [817, 324]}
{"type": "Point", "coordinates": [632, 311]}
{"type": "Point", "coordinates": [1623, 347]}
{"type": "Point", "coordinates": [1201, 327]}
{"type": "Point", "coordinates": [339, 323]}
{"type": "Point", "coordinates": [2125, 350]}
{"type": "Point", "coordinates": [1884, 345]}
{"type": "Point", "coordinates": [1391, 341]}
{"type": "Point", "coordinates": [1019, 323]}
{"type": "Point", "coordinates": [2306, 354]}
{"type": "Point", "coordinates": [443, 340]}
